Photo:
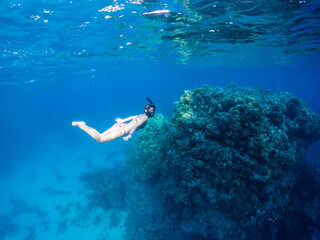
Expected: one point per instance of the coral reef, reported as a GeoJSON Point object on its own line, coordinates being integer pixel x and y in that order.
{"type": "Point", "coordinates": [147, 154]}
{"type": "Point", "coordinates": [302, 215]}
{"type": "Point", "coordinates": [8, 229]}
{"type": "Point", "coordinates": [107, 187]}
{"type": "Point", "coordinates": [224, 168]}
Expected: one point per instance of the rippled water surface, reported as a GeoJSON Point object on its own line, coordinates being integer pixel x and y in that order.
{"type": "Point", "coordinates": [40, 38]}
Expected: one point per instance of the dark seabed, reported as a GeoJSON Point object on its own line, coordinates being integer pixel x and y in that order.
{"type": "Point", "coordinates": [232, 152]}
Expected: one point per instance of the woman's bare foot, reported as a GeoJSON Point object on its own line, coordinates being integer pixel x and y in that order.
{"type": "Point", "coordinates": [79, 124]}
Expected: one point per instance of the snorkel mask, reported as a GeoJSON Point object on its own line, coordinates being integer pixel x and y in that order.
{"type": "Point", "coordinates": [150, 108]}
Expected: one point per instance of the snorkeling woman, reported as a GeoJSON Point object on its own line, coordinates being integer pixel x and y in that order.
{"type": "Point", "coordinates": [120, 128]}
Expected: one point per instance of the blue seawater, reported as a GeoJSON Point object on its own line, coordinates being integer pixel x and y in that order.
{"type": "Point", "coordinates": [94, 60]}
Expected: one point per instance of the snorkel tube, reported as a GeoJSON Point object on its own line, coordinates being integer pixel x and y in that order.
{"type": "Point", "coordinates": [149, 100]}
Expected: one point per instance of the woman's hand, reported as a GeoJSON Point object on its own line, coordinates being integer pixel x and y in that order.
{"type": "Point", "coordinates": [119, 120]}
{"type": "Point", "coordinates": [127, 137]}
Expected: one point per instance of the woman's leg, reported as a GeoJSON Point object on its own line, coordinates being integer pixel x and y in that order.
{"type": "Point", "coordinates": [91, 131]}
{"type": "Point", "coordinates": [111, 134]}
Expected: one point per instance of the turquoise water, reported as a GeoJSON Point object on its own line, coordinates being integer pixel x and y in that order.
{"type": "Point", "coordinates": [64, 61]}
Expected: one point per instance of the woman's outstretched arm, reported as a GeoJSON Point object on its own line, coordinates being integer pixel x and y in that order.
{"type": "Point", "coordinates": [130, 133]}
{"type": "Point", "coordinates": [126, 119]}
